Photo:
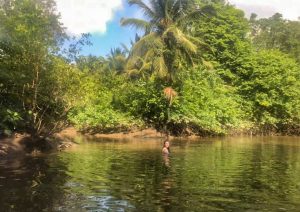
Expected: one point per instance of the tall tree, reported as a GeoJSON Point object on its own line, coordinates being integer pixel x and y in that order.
{"type": "Point", "coordinates": [117, 60]}
{"type": "Point", "coordinates": [225, 32]}
{"type": "Point", "coordinates": [277, 33]}
{"type": "Point", "coordinates": [167, 45]}
{"type": "Point", "coordinates": [33, 34]}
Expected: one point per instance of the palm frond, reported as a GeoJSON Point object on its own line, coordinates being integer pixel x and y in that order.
{"type": "Point", "coordinates": [167, 45]}
{"type": "Point", "coordinates": [145, 43]}
{"type": "Point", "coordinates": [160, 67]}
{"type": "Point", "coordinates": [132, 72]}
{"type": "Point", "coordinates": [181, 39]}
{"type": "Point", "coordinates": [146, 9]}
{"type": "Point", "coordinates": [187, 56]}
{"type": "Point", "coordinates": [198, 42]}
{"type": "Point", "coordinates": [132, 63]}
{"type": "Point", "coordinates": [145, 67]}
{"type": "Point", "coordinates": [125, 48]}
{"type": "Point", "coordinates": [137, 66]}
{"type": "Point", "coordinates": [135, 23]}
{"type": "Point", "coordinates": [159, 9]}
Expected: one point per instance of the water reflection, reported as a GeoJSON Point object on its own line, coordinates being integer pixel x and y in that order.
{"type": "Point", "coordinates": [31, 184]}
{"type": "Point", "coordinates": [238, 174]}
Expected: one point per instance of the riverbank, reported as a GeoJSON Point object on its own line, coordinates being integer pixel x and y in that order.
{"type": "Point", "coordinates": [143, 133]}
{"type": "Point", "coordinates": [12, 146]}
{"type": "Point", "coordinates": [21, 144]}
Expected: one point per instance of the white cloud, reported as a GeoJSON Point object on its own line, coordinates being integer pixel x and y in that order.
{"type": "Point", "coordinates": [87, 16]}
{"type": "Point", "coordinates": [290, 9]}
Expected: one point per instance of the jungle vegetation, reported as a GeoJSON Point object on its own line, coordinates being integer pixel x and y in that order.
{"type": "Point", "coordinates": [198, 67]}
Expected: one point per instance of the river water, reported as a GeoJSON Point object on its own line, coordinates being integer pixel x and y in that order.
{"type": "Point", "coordinates": [219, 174]}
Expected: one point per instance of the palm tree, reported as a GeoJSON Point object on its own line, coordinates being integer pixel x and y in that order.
{"type": "Point", "coordinates": [166, 45]}
{"type": "Point", "coordinates": [117, 59]}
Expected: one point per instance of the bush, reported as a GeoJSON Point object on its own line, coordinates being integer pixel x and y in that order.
{"type": "Point", "coordinates": [144, 100]}
{"type": "Point", "coordinates": [206, 105]}
{"type": "Point", "coordinates": [272, 87]}
{"type": "Point", "coordinates": [91, 109]}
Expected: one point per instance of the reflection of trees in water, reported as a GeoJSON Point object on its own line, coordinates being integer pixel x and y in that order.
{"type": "Point", "coordinates": [242, 175]}
{"type": "Point", "coordinates": [206, 176]}
{"type": "Point", "coordinates": [167, 184]}
{"type": "Point", "coordinates": [145, 179]}
{"type": "Point", "coordinates": [133, 177]}
{"type": "Point", "coordinates": [87, 183]}
{"type": "Point", "coordinates": [29, 184]}
{"type": "Point", "coordinates": [268, 177]}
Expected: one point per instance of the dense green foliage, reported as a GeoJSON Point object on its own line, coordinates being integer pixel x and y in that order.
{"type": "Point", "coordinates": [226, 34]}
{"type": "Point", "coordinates": [207, 105]}
{"type": "Point", "coordinates": [30, 35]}
{"type": "Point", "coordinates": [276, 33]}
{"type": "Point", "coordinates": [273, 90]}
{"type": "Point", "coordinates": [200, 67]}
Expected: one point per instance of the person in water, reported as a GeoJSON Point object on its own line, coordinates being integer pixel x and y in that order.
{"type": "Point", "coordinates": [166, 147]}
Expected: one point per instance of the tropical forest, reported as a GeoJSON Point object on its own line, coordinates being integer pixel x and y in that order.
{"type": "Point", "coordinates": [199, 110]}
{"type": "Point", "coordinates": [196, 67]}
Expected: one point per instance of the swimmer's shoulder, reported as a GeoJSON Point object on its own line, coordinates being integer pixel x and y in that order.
{"type": "Point", "coordinates": [165, 150]}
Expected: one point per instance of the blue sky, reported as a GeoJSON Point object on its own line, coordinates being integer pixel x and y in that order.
{"type": "Point", "coordinates": [101, 18]}
{"type": "Point", "coordinates": [114, 34]}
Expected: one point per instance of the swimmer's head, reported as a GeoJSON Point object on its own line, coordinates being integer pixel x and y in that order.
{"type": "Point", "coordinates": [166, 144]}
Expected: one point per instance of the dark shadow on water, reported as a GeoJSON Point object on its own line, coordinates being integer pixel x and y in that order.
{"type": "Point", "coordinates": [30, 184]}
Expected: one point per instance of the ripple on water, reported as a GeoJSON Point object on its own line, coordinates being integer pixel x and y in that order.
{"type": "Point", "coordinates": [216, 175]}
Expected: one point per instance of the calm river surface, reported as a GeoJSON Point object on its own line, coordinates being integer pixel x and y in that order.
{"type": "Point", "coordinates": [220, 174]}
